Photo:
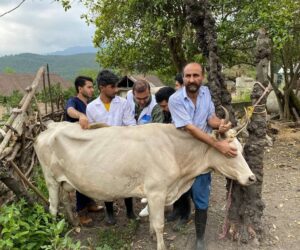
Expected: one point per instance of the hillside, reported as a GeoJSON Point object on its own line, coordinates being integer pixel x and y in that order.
{"type": "Point", "coordinates": [66, 66]}
{"type": "Point", "coordinates": [75, 50]}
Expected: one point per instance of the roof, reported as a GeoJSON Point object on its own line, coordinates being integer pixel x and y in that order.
{"type": "Point", "coordinates": [20, 81]}
{"type": "Point", "coordinates": [129, 80]}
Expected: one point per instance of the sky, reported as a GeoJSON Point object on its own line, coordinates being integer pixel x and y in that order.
{"type": "Point", "coordinates": [42, 26]}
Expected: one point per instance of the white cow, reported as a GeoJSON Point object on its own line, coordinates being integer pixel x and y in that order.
{"type": "Point", "coordinates": [156, 161]}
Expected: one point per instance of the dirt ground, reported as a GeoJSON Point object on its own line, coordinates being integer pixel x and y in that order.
{"type": "Point", "coordinates": [281, 194]}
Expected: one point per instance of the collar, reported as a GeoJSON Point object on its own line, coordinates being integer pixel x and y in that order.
{"type": "Point", "coordinates": [114, 100]}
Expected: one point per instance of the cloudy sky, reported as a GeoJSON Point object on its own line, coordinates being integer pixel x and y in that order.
{"type": "Point", "coordinates": [42, 26]}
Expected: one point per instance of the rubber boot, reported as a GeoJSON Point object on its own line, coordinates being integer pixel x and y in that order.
{"type": "Point", "coordinates": [129, 209]}
{"type": "Point", "coordinates": [175, 213]}
{"type": "Point", "coordinates": [200, 224]}
{"type": "Point", "coordinates": [110, 218]}
{"type": "Point", "coordinates": [184, 212]}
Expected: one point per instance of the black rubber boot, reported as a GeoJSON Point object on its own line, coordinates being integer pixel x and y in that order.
{"type": "Point", "coordinates": [184, 211]}
{"type": "Point", "coordinates": [174, 215]}
{"type": "Point", "coordinates": [110, 218]}
{"type": "Point", "coordinates": [200, 224]}
{"type": "Point", "coordinates": [129, 209]}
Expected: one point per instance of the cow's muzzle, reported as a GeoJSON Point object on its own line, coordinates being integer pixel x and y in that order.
{"type": "Point", "coordinates": [252, 179]}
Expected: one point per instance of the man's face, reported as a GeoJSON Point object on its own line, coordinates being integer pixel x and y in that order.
{"type": "Point", "coordinates": [177, 85]}
{"type": "Point", "coordinates": [192, 77]}
{"type": "Point", "coordinates": [164, 106]}
{"type": "Point", "coordinates": [109, 91]}
{"type": "Point", "coordinates": [142, 98]}
{"type": "Point", "coordinates": [87, 90]}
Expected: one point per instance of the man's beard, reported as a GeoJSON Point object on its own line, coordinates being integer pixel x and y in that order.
{"type": "Point", "coordinates": [86, 96]}
{"type": "Point", "coordinates": [192, 88]}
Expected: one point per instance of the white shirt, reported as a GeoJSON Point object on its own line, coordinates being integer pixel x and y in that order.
{"type": "Point", "coordinates": [119, 113]}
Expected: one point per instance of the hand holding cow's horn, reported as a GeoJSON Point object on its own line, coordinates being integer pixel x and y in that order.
{"type": "Point", "coordinates": [224, 127]}
{"type": "Point", "coordinates": [225, 148]}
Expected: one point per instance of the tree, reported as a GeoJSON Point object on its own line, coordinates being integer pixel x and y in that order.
{"type": "Point", "coordinates": [142, 36]}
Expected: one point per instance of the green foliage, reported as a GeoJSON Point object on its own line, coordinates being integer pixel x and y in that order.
{"type": "Point", "coordinates": [39, 180]}
{"type": "Point", "coordinates": [24, 227]}
{"type": "Point", "coordinates": [8, 70]}
{"type": "Point", "coordinates": [116, 238]}
{"type": "Point", "coordinates": [11, 101]}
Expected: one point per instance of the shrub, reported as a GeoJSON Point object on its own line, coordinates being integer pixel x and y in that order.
{"type": "Point", "coordinates": [24, 227]}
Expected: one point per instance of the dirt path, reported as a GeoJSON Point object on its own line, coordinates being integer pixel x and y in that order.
{"type": "Point", "coordinates": [281, 194]}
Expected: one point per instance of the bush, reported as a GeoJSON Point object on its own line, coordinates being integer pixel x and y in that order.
{"type": "Point", "coordinates": [24, 227]}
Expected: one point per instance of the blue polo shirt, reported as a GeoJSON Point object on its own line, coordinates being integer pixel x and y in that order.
{"type": "Point", "coordinates": [184, 112]}
{"type": "Point", "coordinates": [77, 104]}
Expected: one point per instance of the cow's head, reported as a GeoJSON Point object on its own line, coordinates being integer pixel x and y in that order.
{"type": "Point", "coordinates": [234, 168]}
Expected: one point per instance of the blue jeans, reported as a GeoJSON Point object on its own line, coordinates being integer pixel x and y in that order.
{"type": "Point", "coordinates": [201, 191]}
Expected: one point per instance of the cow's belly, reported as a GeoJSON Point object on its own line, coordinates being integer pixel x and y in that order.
{"type": "Point", "coordinates": [104, 186]}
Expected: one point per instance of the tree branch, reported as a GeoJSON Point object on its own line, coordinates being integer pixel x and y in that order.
{"type": "Point", "coordinates": [13, 8]}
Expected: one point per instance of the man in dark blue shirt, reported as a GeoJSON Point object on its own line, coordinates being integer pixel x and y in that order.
{"type": "Point", "coordinates": [75, 112]}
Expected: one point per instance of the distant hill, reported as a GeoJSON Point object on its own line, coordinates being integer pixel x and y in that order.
{"type": "Point", "coordinates": [75, 50]}
{"type": "Point", "coordinates": [66, 66]}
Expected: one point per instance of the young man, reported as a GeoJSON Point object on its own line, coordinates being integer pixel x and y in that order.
{"type": "Point", "coordinates": [143, 104]}
{"type": "Point", "coordinates": [182, 207]}
{"type": "Point", "coordinates": [75, 112]}
{"type": "Point", "coordinates": [114, 111]}
{"type": "Point", "coordinates": [191, 108]}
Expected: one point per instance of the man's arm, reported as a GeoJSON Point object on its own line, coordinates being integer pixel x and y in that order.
{"type": "Point", "coordinates": [222, 146]}
{"type": "Point", "coordinates": [83, 121]}
{"type": "Point", "coordinates": [219, 124]}
{"type": "Point", "coordinates": [157, 114]}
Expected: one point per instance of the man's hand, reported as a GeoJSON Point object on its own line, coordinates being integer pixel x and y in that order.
{"type": "Point", "coordinates": [224, 127]}
{"type": "Point", "coordinates": [225, 148]}
{"type": "Point", "coordinates": [83, 121]}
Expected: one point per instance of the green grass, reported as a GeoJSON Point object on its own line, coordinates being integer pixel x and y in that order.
{"type": "Point", "coordinates": [116, 238]}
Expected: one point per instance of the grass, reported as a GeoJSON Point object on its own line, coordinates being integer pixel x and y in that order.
{"type": "Point", "coordinates": [116, 238]}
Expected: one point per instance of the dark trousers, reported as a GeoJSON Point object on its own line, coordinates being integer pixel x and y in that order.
{"type": "Point", "coordinates": [182, 206]}
{"type": "Point", "coordinates": [82, 201]}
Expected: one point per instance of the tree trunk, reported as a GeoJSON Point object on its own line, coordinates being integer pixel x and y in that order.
{"type": "Point", "coordinates": [200, 16]}
{"type": "Point", "coordinates": [247, 206]}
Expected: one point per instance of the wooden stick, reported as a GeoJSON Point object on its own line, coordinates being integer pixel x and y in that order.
{"type": "Point", "coordinates": [19, 172]}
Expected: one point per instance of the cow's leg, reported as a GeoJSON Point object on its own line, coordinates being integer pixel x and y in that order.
{"type": "Point", "coordinates": [53, 188]}
{"type": "Point", "coordinates": [156, 209]}
{"type": "Point", "coordinates": [66, 199]}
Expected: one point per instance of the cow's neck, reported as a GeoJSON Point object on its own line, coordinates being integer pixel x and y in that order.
{"type": "Point", "coordinates": [192, 154]}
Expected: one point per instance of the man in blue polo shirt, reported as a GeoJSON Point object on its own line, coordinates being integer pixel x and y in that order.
{"type": "Point", "coordinates": [191, 108]}
{"type": "Point", "coordinates": [75, 112]}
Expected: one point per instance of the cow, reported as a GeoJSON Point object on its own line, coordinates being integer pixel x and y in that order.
{"type": "Point", "coordinates": [156, 161]}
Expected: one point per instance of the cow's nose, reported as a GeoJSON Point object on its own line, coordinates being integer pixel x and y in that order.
{"type": "Point", "coordinates": [252, 178]}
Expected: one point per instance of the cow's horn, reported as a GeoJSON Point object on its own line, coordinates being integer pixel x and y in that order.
{"type": "Point", "coordinates": [226, 119]}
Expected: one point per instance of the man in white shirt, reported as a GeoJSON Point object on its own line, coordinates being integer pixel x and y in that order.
{"type": "Point", "coordinates": [114, 111]}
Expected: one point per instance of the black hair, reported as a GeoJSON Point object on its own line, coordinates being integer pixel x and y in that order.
{"type": "Point", "coordinates": [80, 81]}
{"type": "Point", "coordinates": [179, 78]}
{"type": "Point", "coordinates": [106, 77]}
{"type": "Point", "coordinates": [140, 86]}
{"type": "Point", "coordinates": [163, 94]}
